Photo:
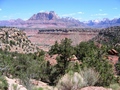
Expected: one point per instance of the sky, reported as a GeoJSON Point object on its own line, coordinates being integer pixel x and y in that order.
{"type": "Point", "coordinates": [83, 10]}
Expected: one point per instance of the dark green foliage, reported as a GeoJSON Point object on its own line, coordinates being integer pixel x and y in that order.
{"type": "Point", "coordinates": [109, 36]}
{"type": "Point", "coordinates": [6, 38]}
{"type": "Point", "coordinates": [117, 48]}
{"type": "Point", "coordinates": [30, 65]}
{"type": "Point", "coordinates": [85, 49]}
{"type": "Point", "coordinates": [3, 83]}
{"type": "Point", "coordinates": [5, 62]}
{"type": "Point", "coordinates": [12, 42]}
{"type": "Point", "coordinates": [54, 49]}
{"type": "Point", "coordinates": [65, 50]}
{"type": "Point", "coordinates": [117, 66]}
{"type": "Point", "coordinates": [23, 66]}
{"type": "Point", "coordinates": [91, 56]}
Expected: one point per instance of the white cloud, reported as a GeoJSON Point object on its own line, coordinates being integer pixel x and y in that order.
{"type": "Point", "coordinates": [25, 19]}
{"type": "Point", "coordinates": [103, 14]}
{"type": "Point", "coordinates": [77, 18]}
{"type": "Point", "coordinates": [71, 14]}
{"type": "Point", "coordinates": [0, 9]}
{"type": "Point", "coordinates": [100, 14]}
{"type": "Point", "coordinates": [100, 10]}
{"type": "Point", "coordinates": [80, 12]}
{"type": "Point", "coordinates": [42, 11]}
{"type": "Point", "coordinates": [117, 16]}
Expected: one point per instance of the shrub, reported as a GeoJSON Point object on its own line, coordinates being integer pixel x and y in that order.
{"type": "Point", "coordinates": [115, 86]}
{"type": "Point", "coordinates": [77, 80]}
{"type": "Point", "coordinates": [12, 43]}
{"type": "Point", "coordinates": [3, 83]}
{"type": "Point", "coordinates": [15, 87]}
{"type": "Point", "coordinates": [92, 57]}
{"type": "Point", "coordinates": [90, 76]}
{"type": "Point", "coordinates": [38, 89]}
{"type": "Point", "coordinates": [70, 82]}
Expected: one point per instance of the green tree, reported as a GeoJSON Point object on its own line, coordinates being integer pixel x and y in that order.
{"type": "Point", "coordinates": [85, 49]}
{"type": "Point", "coordinates": [117, 66]}
{"type": "Point", "coordinates": [64, 50]}
{"type": "Point", "coordinates": [93, 57]}
{"type": "Point", "coordinates": [54, 49]}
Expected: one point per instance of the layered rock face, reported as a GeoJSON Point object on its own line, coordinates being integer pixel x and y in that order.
{"type": "Point", "coordinates": [45, 16]}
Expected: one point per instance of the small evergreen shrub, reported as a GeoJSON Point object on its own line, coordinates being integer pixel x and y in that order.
{"type": "Point", "coordinates": [3, 83]}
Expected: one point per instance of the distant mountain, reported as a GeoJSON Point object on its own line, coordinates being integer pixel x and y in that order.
{"type": "Point", "coordinates": [11, 22]}
{"type": "Point", "coordinates": [103, 23]}
{"type": "Point", "coordinates": [52, 20]}
{"type": "Point", "coordinates": [44, 20]}
{"type": "Point", "coordinates": [45, 16]}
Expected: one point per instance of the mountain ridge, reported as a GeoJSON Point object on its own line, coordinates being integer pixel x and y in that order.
{"type": "Point", "coordinates": [52, 20]}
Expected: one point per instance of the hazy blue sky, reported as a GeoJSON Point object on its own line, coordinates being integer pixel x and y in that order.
{"type": "Point", "coordinates": [80, 9]}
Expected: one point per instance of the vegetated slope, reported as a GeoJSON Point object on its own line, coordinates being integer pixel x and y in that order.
{"type": "Point", "coordinates": [15, 40]}
{"type": "Point", "coordinates": [109, 36]}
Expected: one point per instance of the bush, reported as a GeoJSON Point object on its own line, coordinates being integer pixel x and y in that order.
{"type": "Point", "coordinates": [70, 82]}
{"type": "Point", "coordinates": [93, 57]}
{"type": "Point", "coordinates": [12, 43]}
{"type": "Point", "coordinates": [38, 89]}
{"type": "Point", "coordinates": [115, 86]}
{"type": "Point", "coordinates": [90, 76]}
{"type": "Point", "coordinates": [77, 80]}
{"type": "Point", "coordinates": [15, 87]}
{"type": "Point", "coordinates": [3, 83]}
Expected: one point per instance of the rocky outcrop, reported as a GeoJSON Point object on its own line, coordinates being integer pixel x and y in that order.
{"type": "Point", "coordinates": [15, 40]}
{"type": "Point", "coordinates": [44, 16]}
{"type": "Point", "coordinates": [43, 20]}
